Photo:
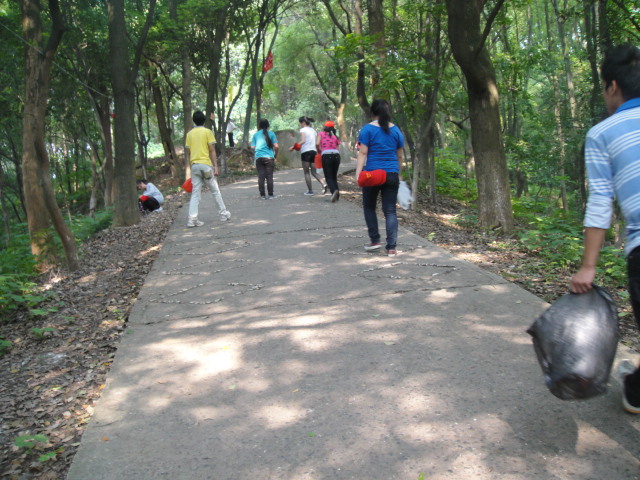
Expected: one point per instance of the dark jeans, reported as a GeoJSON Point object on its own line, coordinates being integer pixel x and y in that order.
{"type": "Point", "coordinates": [149, 205]}
{"type": "Point", "coordinates": [632, 382]}
{"type": "Point", "coordinates": [330, 165]}
{"type": "Point", "coordinates": [389, 193]}
{"type": "Point", "coordinates": [265, 168]}
{"type": "Point", "coordinates": [231, 143]}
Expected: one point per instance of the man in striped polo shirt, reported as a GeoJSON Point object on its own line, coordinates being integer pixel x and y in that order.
{"type": "Point", "coordinates": [612, 154]}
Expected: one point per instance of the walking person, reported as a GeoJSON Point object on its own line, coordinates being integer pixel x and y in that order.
{"type": "Point", "coordinates": [307, 147]}
{"type": "Point", "coordinates": [265, 149]}
{"type": "Point", "coordinates": [612, 156]}
{"type": "Point", "coordinates": [381, 144]}
{"type": "Point", "coordinates": [200, 152]}
{"type": "Point", "coordinates": [327, 143]}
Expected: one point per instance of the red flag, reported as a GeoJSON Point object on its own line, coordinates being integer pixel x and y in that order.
{"type": "Point", "coordinates": [268, 62]}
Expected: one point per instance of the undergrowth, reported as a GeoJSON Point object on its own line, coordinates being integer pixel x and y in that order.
{"type": "Point", "coordinates": [18, 272]}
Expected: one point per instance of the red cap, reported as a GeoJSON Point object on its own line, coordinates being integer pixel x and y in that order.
{"type": "Point", "coordinates": [329, 124]}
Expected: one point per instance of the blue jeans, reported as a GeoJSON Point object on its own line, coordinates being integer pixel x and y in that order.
{"type": "Point", "coordinates": [389, 193]}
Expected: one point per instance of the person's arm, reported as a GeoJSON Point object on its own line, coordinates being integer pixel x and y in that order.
{"type": "Point", "coordinates": [275, 149]}
{"type": "Point", "coordinates": [213, 158]}
{"type": "Point", "coordinates": [399, 154]}
{"type": "Point", "coordinates": [318, 149]}
{"type": "Point", "coordinates": [187, 158]}
{"type": "Point", "coordinates": [593, 241]}
{"type": "Point", "coordinates": [362, 159]}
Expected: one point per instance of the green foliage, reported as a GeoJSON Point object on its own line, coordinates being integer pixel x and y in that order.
{"type": "Point", "coordinates": [452, 179]}
{"type": "Point", "coordinates": [35, 442]}
{"type": "Point", "coordinates": [18, 267]}
{"type": "Point", "coordinates": [29, 442]}
{"type": "Point", "coordinates": [5, 346]}
{"type": "Point", "coordinates": [555, 239]}
{"type": "Point", "coordinates": [41, 333]}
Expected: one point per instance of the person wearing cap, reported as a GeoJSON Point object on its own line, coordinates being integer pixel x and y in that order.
{"type": "Point", "coordinates": [381, 144]}
{"type": "Point", "coordinates": [327, 143]}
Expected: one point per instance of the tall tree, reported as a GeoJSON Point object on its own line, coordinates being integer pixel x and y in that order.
{"type": "Point", "coordinates": [468, 43]}
{"type": "Point", "coordinates": [39, 195]}
{"type": "Point", "coordinates": [123, 75]}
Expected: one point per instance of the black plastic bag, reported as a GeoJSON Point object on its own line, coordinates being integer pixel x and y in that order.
{"type": "Point", "coordinates": [575, 340]}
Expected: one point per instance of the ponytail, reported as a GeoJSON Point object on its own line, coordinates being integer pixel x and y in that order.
{"type": "Point", "coordinates": [380, 109]}
{"type": "Point", "coordinates": [331, 131]}
{"type": "Point", "coordinates": [264, 126]}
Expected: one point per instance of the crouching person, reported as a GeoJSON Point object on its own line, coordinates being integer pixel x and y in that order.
{"type": "Point", "coordinates": [151, 199]}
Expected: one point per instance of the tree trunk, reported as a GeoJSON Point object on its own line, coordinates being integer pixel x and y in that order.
{"type": "Point", "coordinates": [469, 50]}
{"type": "Point", "coordinates": [165, 131]}
{"type": "Point", "coordinates": [39, 195]}
{"type": "Point", "coordinates": [122, 80]}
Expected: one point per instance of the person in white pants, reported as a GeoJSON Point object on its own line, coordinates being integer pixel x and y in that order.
{"type": "Point", "coordinates": [200, 153]}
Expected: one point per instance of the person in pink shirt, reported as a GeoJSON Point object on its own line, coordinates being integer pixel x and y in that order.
{"type": "Point", "coordinates": [327, 143]}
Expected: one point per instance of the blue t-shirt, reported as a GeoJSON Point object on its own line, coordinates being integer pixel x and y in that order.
{"type": "Point", "coordinates": [382, 147]}
{"type": "Point", "coordinates": [262, 149]}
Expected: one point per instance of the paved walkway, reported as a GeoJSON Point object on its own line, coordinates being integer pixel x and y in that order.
{"type": "Point", "coordinates": [274, 347]}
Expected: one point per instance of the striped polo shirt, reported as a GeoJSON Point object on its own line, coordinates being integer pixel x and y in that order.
{"type": "Point", "coordinates": [612, 154]}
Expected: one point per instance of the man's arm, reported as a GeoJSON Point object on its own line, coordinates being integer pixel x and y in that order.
{"type": "Point", "coordinates": [187, 157]}
{"type": "Point", "coordinates": [213, 158]}
{"type": "Point", "coordinates": [593, 241]}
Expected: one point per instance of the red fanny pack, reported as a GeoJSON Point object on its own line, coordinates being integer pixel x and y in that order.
{"type": "Point", "coordinates": [372, 178]}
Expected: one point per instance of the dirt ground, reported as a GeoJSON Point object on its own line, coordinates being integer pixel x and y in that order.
{"type": "Point", "coordinates": [50, 381]}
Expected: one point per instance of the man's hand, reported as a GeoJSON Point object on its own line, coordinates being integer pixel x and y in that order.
{"type": "Point", "coordinates": [583, 279]}
{"type": "Point", "coordinates": [215, 170]}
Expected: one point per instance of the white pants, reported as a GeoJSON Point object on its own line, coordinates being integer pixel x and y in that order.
{"type": "Point", "coordinates": [198, 171]}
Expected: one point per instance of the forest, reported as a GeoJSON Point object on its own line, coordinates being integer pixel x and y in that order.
{"type": "Point", "coordinates": [494, 99]}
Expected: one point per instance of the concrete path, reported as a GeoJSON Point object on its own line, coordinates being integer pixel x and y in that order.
{"type": "Point", "coordinates": [274, 347]}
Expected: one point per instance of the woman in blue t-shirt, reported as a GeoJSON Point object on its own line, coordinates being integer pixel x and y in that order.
{"type": "Point", "coordinates": [265, 147]}
{"type": "Point", "coordinates": [381, 144]}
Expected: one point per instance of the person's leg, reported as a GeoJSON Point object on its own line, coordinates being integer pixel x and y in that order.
{"type": "Point", "coordinates": [270, 165]}
{"type": "Point", "coordinates": [262, 175]}
{"type": "Point", "coordinates": [212, 183]}
{"type": "Point", "coordinates": [632, 382]}
{"type": "Point", "coordinates": [196, 180]}
{"type": "Point", "coordinates": [150, 204]}
{"type": "Point", "coordinates": [316, 175]}
{"type": "Point", "coordinates": [389, 200]}
{"type": "Point", "coordinates": [231, 144]}
{"type": "Point", "coordinates": [330, 164]}
{"type": "Point", "coordinates": [369, 200]}
{"type": "Point", "coordinates": [306, 168]}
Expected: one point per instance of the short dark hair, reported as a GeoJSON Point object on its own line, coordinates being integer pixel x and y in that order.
{"type": "Point", "coordinates": [199, 118]}
{"type": "Point", "coordinates": [141, 180]}
{"type": "Point", "coordinates": [622, 64]}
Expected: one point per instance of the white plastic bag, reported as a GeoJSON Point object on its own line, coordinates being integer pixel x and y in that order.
{"type": "Point", "coordinates": [405, 199]}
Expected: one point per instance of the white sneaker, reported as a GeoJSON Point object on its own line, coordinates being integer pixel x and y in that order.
{"type": "Point", "coordinates": [225, 216]}
{"type": "Point", "coordinates": [194, 222]}
{"type": "Point", "coordinates": [625, 367]}
{"type": "Point", "coordinates": [159, 209]}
